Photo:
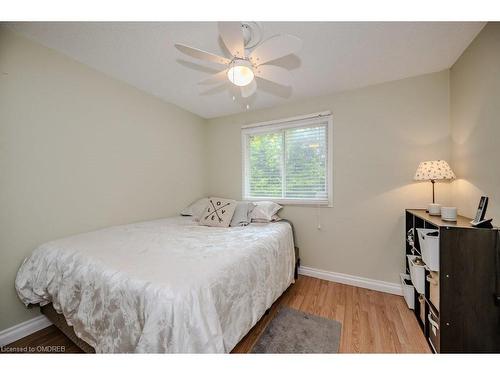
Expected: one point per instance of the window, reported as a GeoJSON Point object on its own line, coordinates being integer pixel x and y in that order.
{"type": "Point", "coordinates": [289, 161]}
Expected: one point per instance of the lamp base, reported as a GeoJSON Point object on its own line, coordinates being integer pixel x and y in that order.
{"type": "Point", "coordinates": [434, 209]}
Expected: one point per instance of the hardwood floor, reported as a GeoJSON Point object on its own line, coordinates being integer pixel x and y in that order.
{"type": "Point", "coordinates": [48, 340]}
{"type": "Point", "coordinates": [372, 322]}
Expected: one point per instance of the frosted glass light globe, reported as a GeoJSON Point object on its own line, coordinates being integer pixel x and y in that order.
{"type": "Point", "coordinates": [240, 73]}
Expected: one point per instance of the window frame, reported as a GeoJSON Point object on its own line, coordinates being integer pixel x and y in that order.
{"type": "Point", "coordinates": [279, 125]}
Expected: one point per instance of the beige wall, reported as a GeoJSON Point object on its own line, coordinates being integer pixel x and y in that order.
{"type": "Point", "coordinates": [381, 133]}
{"type": "Point", "coordinates": [80, 151]}
{"type": "Point", "coordinates": [475, 119]}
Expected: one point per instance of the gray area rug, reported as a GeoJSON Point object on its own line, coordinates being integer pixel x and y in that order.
{"type": "Point", "coordinates": [292, 331]}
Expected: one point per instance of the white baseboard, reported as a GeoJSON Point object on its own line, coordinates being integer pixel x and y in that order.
{"type": "Point", "coordinates": [23, 329]}
{"type": "Point", "coordinates": [362, 282]}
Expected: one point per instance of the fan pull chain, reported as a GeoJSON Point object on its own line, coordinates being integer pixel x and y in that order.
{"type": "Point", "coordinates": [318, 213]}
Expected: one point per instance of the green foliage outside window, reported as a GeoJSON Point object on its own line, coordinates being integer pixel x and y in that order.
{"type": "Point", "coordinates": [303, 151]}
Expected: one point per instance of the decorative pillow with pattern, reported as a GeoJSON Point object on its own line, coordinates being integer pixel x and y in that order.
{"type": "Point", "coordinates": [219, 212]}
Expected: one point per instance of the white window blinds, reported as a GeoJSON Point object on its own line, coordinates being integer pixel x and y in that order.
{"type": "Point", "coordinates": [288, 161]}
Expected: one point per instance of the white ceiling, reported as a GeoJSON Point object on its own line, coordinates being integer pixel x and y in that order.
{"type": "Point", "coordinates": [336, 56]}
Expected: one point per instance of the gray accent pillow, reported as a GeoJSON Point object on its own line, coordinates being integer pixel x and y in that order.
{"type": "Point", "coordinates": [241, 216]}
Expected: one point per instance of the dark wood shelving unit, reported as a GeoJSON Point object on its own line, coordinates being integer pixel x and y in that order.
{"type": "Point", "coordinates": [468, 318]}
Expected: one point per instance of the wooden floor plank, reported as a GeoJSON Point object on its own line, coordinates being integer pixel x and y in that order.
{"type": "Point", "coordinates": [372, 322]}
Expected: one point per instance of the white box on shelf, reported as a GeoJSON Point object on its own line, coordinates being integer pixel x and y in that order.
{"type": "Point", "coordinates": [408, 291]}
{"type": "Point", "coordinates": [429, 247]}
{"type": "Point", "coordinates": [417, 274]}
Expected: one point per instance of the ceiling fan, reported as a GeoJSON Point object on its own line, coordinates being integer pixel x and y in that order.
{"type": "Point", "coordinates": [244, 65]}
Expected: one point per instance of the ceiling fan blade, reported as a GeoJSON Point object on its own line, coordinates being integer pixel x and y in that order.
{"type": "Point", "coordinates": [215, 78]}
{"type": "Point", "coordinates": [274, 74]}
{"type": "Point", "coordinates": [202, 55]}
{"type": "Point", "coordinates": [274, 48]}
{"type": "Point", "coordinates": [249, 89]}
{"type": "Point", "coordinates": [232, 36]}
{"type": "Point", "coordinates": [213, 90]}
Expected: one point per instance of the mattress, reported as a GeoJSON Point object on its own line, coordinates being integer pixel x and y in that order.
{"type": "Point", "coordinates": [163, 286]}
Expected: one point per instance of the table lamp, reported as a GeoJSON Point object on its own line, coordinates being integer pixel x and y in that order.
{"type": "Point", "coordinates": [431, 171]}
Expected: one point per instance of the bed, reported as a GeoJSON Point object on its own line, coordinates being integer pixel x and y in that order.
{"type": "Point", "coordinates": [163, 286]}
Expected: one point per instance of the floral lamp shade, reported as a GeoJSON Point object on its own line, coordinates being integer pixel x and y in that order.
{"type": "Point", "coordinates": [434, 170]}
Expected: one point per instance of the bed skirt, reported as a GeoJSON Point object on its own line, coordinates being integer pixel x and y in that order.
{"type": "Point", "coordinates": [60, 322]}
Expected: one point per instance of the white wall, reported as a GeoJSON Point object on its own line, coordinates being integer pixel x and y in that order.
{"type": "Point", "coordinates": [80, 151]}
{"type": "Point", "coordinates": [381, 133]}
{"type": "Point", "coordinates": [475, 119]}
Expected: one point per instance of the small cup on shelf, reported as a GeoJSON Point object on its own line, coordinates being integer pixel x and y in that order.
{"type": "Point", "coordinates": [449, 213]}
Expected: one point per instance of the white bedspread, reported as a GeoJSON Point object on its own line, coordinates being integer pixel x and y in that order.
{"type": "Point", "coordinates": [167, 285]}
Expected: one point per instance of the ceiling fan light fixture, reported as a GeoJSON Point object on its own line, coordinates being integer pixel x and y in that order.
{"type": "Point", "coordinates": [240, 73]}
{"type": "Point", "coordinates": [249, 58]}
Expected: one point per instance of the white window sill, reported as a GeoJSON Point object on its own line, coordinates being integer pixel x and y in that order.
{"type": "Point", "coordinates": [292, 202]}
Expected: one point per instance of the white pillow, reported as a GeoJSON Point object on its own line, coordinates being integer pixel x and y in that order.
{"type": "Point", "coordinates": [196, 209]}
{"type": "Point", "coordinates": [264, 211]}
{"type": "Point", "coordinates": [274, 219]}
{"type": "Point", "coordinates": [219, 212]}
